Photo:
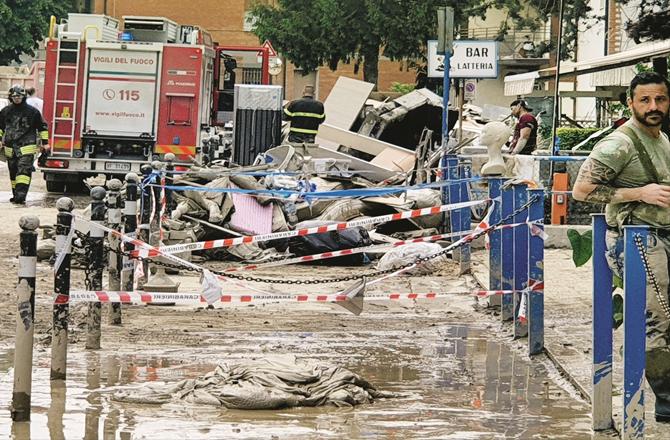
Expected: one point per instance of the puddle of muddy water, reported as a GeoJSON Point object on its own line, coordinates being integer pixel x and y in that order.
{"type": "Point", "coordinates": [458, 382]}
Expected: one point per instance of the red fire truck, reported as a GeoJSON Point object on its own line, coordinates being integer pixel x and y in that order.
{"type": "Point", "coordinates": [116, 98]}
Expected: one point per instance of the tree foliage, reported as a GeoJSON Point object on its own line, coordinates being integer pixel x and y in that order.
{"type": "Point", "coordinates": [25, 23]}
{"type": "Point", "coordinates": [653, 21]}
{"type": "Point", "coordinates": [577, 15]}
{"type": "Point", "coordinates": [311, 33]}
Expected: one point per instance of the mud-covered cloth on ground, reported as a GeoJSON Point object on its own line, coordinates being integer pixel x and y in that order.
{"type": "Point", "coordinates": [273, 383]}
{"type": "Point", "coordinates": [403, 255]}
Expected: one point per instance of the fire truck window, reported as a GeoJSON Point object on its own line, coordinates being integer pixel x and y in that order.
{"type": "Point", "coordinates": [179, 110]}
{"type": "Point", "coordinates": [227, 72]}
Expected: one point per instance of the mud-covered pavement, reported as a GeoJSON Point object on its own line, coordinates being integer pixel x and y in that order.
{"type": "Point", "coordinates": [460, 373]}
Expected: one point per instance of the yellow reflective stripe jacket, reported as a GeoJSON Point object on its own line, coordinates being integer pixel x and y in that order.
{"type": "Point", "coordinates": [305, 115]}
{"type": "Point", "coordinates": [303, 130]}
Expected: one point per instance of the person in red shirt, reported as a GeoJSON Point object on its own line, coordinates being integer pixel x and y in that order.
{"type": "Point", "coordinates": [524, 140]}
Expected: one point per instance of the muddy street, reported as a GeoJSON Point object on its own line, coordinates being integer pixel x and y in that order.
{"type": "Point", "coordinates": [459, 373]}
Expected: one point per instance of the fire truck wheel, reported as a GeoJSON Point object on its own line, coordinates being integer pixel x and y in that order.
{"type": "Point", "coordinates": [55, 186]}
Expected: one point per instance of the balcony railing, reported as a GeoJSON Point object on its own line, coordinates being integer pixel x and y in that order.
{"type": "Point", "coordinates": [513, 43]}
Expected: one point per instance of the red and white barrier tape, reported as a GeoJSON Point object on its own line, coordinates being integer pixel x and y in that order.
{"type": "Point", "coordinates": [229, 242]}
{"type": "Point", "coordinates": [138, 243]}
{"type": "Point", "coordinates": [196, 298]}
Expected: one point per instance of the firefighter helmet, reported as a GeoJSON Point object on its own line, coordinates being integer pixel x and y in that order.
{"type": "Point", "coordinates": [17, 90]}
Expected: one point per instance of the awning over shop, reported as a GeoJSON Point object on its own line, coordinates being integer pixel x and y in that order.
{"type": "Point", "coordinates": [524, 83]}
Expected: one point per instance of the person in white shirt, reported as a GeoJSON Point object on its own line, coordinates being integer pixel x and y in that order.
{"type": "Point", "coordinates": [33, 100]}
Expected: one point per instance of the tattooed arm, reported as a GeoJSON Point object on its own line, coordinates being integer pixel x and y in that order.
{"type": "Point", "coordinates": [593, 185]}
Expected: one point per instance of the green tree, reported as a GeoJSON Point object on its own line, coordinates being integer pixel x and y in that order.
{"type": "Point", "coordinates": [25, 23]}
{"type": "Point", "coordinates": [311, 33]}
{"type": "Point", "coordinates": [653, 21]}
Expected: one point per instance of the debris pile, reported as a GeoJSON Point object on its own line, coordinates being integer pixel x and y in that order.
{"type": "Point", "coordinates": [295, 186]}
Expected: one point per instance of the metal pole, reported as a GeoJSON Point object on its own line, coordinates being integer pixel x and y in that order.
{"type": "Point", "coordinates": [95, 259]}
{"type": "Point", "coordinates": [61, 307]}
{"type": "Point", "coordinates": [445, 102]}
{"type": "Point", "coordinates": [461, 103]}
{"type": "Point", "coordinates": [129, 229]}
{"type": "Point", "coordinates": [520, 262]}
{"type": "Point", "coordinates": [601, 342]}
{"type": "Point", "coordinates": [536, 274]}
{"type": "Point", "coordinates": [634, 330]}
{"type": "Point", "coordinates": [114, 257]}
{"type": "Point", "coordinates": [464, 173]}
{"type": "Point", "coordinates": [23, 353]}
{"type": "Point", "coordinates": [495, 239]}
{"type": "Point", "coordinates": [507, 255]}
{"type": "Point", "coordinates": [557, 115]}
{"type": "Point", "coordinates": [155, 201]}
{"type": "Point", "coordinates": [144, 228]}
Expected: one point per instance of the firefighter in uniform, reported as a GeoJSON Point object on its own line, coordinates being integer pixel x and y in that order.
{"type": "Point", "coordinates": [20, 126]}
{"type": "Point", "coordinates": [305, 115]}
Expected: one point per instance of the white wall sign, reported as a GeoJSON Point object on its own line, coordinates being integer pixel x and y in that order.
{"type": "Point", "coordinates": [471, 59]}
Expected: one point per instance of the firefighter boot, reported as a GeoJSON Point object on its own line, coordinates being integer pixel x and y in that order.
{"type": "Point", "coordinates": [23, 174]}
{"type": "Point", "coordinates": [658, 376]}
{"type": "Point", "coordinates": [12, 165]}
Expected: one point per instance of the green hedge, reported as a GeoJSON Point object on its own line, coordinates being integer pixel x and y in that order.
{"type": "Point", "coordinates": [570, 137]}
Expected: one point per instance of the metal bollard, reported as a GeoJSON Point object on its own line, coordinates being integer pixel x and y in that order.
{"type": "Point", "coordinates": [129, 229]}
{"type": "Point", "coordinates": [114, 257]}
{"type": "Point", "coordinates": [61, 307]}
{"type": "Point", "coordinates": [495, 239]}
{"type": "Point", "coordinates": [520, 262]}
{"type": "Point", "coordinates": [536, 274]}
{"type": "Point", "coordinates": [601, 342]}
{"type": "Point", "coordinates": [507, 255]}
{"type": "Point", "coordinates": [95, 257]}
{"type": "Point", "coordinates": [23, 354]}
{"type": "Point", "coordinates": [634, 332]}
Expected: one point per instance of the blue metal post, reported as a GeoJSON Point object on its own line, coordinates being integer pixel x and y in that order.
{"type": "Point", "coordinates": [464, 173]}
{"type": "Point", "coordinates": [520, 262]}
{"type": "Point", "coordinates": [450, 193]}
{"type": "Point", "coordinates": [445, 100]}
{"type": "Point", "coordinates": [454, 191]}
{"type": "Point", "coordinates": [536, 274]}
{"type": "Point", "coordinates": [601, 400]}
{"type": "Point", "coordinates": [634, 322]}
{"type": "Point", "coordinates": [495, 239]}
{"type": "Point", "coordinates": [507, 252]}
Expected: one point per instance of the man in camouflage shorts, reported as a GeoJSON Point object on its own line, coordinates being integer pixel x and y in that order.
{"type": "Point", "coordinates": [629, 170]}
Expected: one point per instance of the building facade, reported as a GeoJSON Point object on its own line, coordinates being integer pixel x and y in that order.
{"type": "Point", "coordinates": [228, 22]}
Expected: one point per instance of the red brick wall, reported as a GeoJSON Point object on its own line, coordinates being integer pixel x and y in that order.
{"type": "Point", "coordinates": [389, 72]}
{"type": "Point", "coordinates": [224, 20]}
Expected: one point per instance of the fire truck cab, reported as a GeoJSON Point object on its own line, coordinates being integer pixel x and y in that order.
{"type": "Point", "coordinates": [117, 98]}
